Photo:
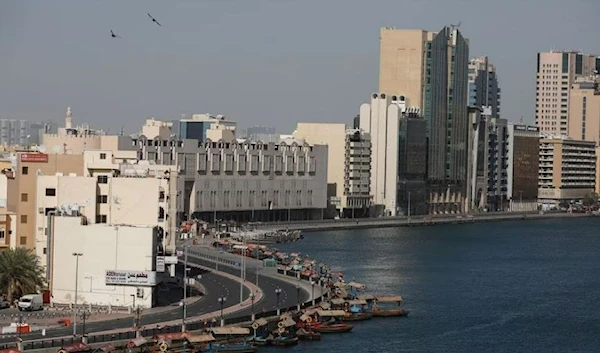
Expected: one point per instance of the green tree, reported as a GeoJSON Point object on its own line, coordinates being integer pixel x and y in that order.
{"type": "Point", "coordinates": [20, 273]}
{"type": "Point", "coordinates": [590, 199]}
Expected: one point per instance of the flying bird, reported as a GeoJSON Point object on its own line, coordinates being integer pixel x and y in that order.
{"type": "Point", "coordinates": [154, 20]}
{"type": "Point", "coordinates": [112, 34]}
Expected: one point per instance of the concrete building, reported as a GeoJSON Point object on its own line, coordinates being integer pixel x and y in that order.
{"type": "Point", "coordinates": [14, 132]}
{"type": "Point", "coordinates": [72, 139]}
{"type": "Point", "coordinates": [241, 181]}
{"type": "Point", "coordinates": [196, 126]}
{"type": "Point", "coordinates": [262, 134]}
{"type": "Point", "coordinates": [556, 72]}
{"type": "Point", "coordinates": [398, 135]}
{"type": "Point", "coordinates": [483, 85]}
{"type": "Point", "coordinates": [567, 170]}
{"type": "Point", "coordinates": [8, 224]}
{"type": "Point", "coordinates": [348, 165]}
{"type": "Point", "coordinates": [117, 265]}
{"type": "Point", "coordinates": [22, 189]}
{"type": "Point", "coordinates": [488, 161]}
{"type": "Point", "coordinates": [157, 129]}
{"type": "Point", "coordinates": [113, 190]}
{"type": "Point", "coordinates": [412, 197]}
{"type": "Point", "coordinates": [584, 109]}
{"type": "Point", "coordinates": [523, 143]}
{"type": "Point", "coordinates": [430, 71]}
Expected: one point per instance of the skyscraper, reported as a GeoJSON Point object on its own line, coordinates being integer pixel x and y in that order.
{"type": "Point", "coordinates": [483, 85]}
{"type": "Point", "coordinates": [556, 72]}
{"type": "Point", "coordinates": [430, 71]}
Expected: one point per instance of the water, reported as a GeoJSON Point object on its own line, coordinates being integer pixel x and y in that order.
{"type": "Point", "coordinates": [529, 286]}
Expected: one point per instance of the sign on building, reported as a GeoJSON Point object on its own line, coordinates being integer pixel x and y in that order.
{"type": "Point", "coordinates": [130, 278]}
{"type": "Point", "coordinates": [171, 260]}
{"type": "Point", "coordinates": [160, 264]}
{"type": "Point", "coordinates": [34, 157]}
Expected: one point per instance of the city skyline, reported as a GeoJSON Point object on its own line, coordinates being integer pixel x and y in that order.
{"type": "Point", "coordinates": [60, 55]}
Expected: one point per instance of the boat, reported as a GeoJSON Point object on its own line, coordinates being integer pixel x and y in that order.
{"type": "Point", "coordinates": [379, 312]}
{"type": "Point", "coordinates": [230, 347]}
{"type": "Point", "coordinates": [308, 335]}
{"type": "Point", "coordinates": [284, 341]}
{"type": "Point", "coordinates": [332, 328]}
{"type": "Point", "coordinates": [357, 316]}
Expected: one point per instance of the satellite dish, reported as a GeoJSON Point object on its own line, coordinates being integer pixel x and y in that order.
{"type": "Point", "coordinates": [41, 149]}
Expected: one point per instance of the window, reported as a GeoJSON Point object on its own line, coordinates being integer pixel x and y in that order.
{"type": "Point", "coordinates": [24, 197]}
{"type": "Point", "coordinates": [102, 179]}
{"type": "Point", "coordinates": [23, 219]}
{"type": "Point", "coordinates": [101, 199]}
{"type": "Point", "coordinates": [102, 155]}
{"type": "Point", "coordinates": [101, 218]}
{"type": "Point", "coordinates": [2, 234]}
{"type": "Point", "coordinates": [50, 192]}
{"type": "Point", "coordinates": [25, 170]}
{"type": "Point", "coordinates": [23, 241]}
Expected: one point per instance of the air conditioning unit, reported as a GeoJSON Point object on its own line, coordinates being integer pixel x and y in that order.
{"type": "Point", "coordinates": [41, 210]}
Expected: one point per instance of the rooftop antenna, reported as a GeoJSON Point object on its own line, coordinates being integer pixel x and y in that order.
{"type": "Point", "coordinates": [521, 120]}
{"type": "Point", "coordinates": [122, 127]}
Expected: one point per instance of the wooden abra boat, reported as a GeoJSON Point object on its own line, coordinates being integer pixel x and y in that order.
{"type": "Point", "coordinates": [332, 328]}
{"type": "Point", "coordinates": [357, 316]}
{"type": "Point", "coordinates": [398, 311]}
{"type": "Point", "coordinates": [308, 335]}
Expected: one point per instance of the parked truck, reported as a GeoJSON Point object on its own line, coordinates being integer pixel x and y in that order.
{"type": "Point", "coordinates": [31, 302]}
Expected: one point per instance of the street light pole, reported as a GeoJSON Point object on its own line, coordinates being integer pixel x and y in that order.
{"type": "Point", "coordinates": [298, 295]}
{"type": "Point", "coordinates": [252, 298]}
{"type": "Point", "coordinates": [277, 293]}
{"type": "Point", "coordinates": [222, 301]}
{"type": "Point", "coordinates": [77, 255]}
{"type": "Point", "coordinates": [185, 280]}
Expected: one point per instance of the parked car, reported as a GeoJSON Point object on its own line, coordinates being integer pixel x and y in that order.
{"type": "Point", "coordinates": [4, 304]}
{"type": "Point", "coordinates": [31, 302]}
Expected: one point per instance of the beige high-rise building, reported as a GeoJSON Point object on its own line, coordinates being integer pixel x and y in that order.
{"type": "Point", "coordinates": [556, 72]}
{"type": "Point", "coordinates": [402, 63]}
{"type": "Point", "coordinates": [584, 109]}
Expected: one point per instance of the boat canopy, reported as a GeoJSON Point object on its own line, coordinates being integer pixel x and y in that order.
{"type": "Point", "coordinates": [76, 347]}
{"type": "Point", "coordinates": [201, 338]}
{"type": "Point", "coordinates": [331, 313]}
{"type": "Point", "coordinates": [136, 342]}
{"type": "Point", "coordinates": [173, 336]}
{"type": "Point", "coordinates": [339, 284]}
{"type": "Point", "coordinates": [230, 330]}
{"type": "Point", "coordinates": [325, 305]}
{"type": "Point", "coordinates": [389, 298]}
{"type": "Point", "coordinates": [357, 285]}
{"type": "Point", "coordinates": [261, 322]}
{"type": "Point", "coordinates": [357, 302]}
{"type": "Point", "coordinates": [337, 301]}
{"type": "Point", "coordinates": [366, 297]}
{"type": "Point", "coordinates": [288, 322]}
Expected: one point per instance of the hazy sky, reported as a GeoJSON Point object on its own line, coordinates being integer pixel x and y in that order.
{"type": "Point", "coordinates": [261, 62]}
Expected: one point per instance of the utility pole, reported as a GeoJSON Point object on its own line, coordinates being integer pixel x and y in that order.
{"type": "Point", "coordinates": [185, 269]}
{"type": "Point", "coordinates": [77, 255]}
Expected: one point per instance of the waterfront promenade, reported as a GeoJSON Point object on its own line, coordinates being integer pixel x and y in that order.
{"type": "Point", "coordinates": [217, 283]}
{"type": "Point", "coordinates": [414, 221]}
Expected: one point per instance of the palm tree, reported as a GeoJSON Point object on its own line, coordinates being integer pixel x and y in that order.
{"type": "Point", "coordinates": [20, 273]}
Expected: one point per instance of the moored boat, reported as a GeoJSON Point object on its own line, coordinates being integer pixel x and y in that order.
{"type": "Point", "coordinates": [232, 347]}
{"type": "Point", "coordinates": [283, 341]}
{"type": "Point", "coordinates": [387, 312]}
{"type": "Point", "coordinates": [308, 335]}
{"type": "Point", "coordinates": [357, 316]}
{"type": "Point", "coordinates": [332, 328]}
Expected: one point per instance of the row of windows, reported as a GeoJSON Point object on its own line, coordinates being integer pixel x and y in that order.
{"type": "Point", "coordinates": [49, 192]}
{"type": "Point", "coordinates": [263, 198]}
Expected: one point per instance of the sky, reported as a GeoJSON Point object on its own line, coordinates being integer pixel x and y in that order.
{"type": "Point", "coordinates": [259, 62]}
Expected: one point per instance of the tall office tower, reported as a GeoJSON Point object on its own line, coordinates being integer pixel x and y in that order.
{"type": "Point", "coordinates": [431, 71]}
{"type": "Point", "coordinates": [556, 72]}
{"type": "Point", "coordinates": [14, 132]}
{"type": "Point", "coordinates": [483, 85]}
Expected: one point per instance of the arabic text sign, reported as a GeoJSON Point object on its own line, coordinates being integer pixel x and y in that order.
{"type": "Point", "coordinates": [130, 278]}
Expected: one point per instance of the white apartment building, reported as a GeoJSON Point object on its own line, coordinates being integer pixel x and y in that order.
{"type": "Point", "coordinates": [381, 119]}
{"type": "Point", "coordinates": [567, 169]}
{"type": "Point", "coordinates": [556, 72]}
{"type": "Point", "coordinates": [114, 191]}
{"type": "Point", "coordinates": [348, 167]}
{"type": "Point", "coordinates": [117, 264]}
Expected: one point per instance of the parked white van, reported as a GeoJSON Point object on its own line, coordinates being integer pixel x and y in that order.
{"type": "Point", "coordinates": [31, 302]}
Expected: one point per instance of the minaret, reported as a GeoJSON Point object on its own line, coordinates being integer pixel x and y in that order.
{"type": "Point", "coordinates": [69, 119]}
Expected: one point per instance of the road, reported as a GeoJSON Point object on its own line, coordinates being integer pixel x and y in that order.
{"type": "Point", "coordinates": [287, 298]}
{"type": "Point", "coordinates": [214, 285]}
